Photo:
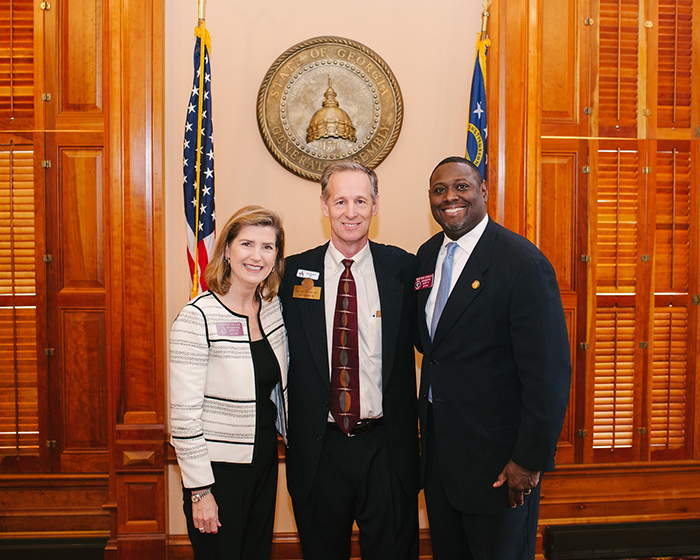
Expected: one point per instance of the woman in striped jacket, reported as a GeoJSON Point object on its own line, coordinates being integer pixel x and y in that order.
{"type": "Point", "coordinates": [228, 379]}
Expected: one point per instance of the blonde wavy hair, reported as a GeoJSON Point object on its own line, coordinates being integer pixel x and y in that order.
{"type": "Point", "coordinates": [218, 271]}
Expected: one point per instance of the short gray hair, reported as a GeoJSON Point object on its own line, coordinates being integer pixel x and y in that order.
{"type": "Point", "coordinates": [339, 167]}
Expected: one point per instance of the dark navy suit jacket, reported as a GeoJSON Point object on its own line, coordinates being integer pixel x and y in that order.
{"type": "Point", "coordinates": [499, 365]}
{"type": "Point", "coordinates": [309, 376]}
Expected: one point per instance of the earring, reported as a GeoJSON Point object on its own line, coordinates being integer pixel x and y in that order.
{"type": "Point", "coordinates": [273, 268]}
{"type": "Point", "coordinates": [227, 261]}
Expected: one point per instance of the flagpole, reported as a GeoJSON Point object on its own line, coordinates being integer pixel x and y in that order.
{"type": "Point", "coordinates": [484, 18]}
{"type": "Point", "coordinates": [198, 155]}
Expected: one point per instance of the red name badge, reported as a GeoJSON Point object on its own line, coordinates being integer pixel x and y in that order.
{"type": "Point", "coordinates": [423, 282]}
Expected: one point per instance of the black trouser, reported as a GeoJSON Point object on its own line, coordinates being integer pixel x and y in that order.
{"type": "Point", "coordinates": [511, 535]}
{"type": "Point", "coordinates": [246, 496]}
{"type": "Point", "coordinates": [354, 482]}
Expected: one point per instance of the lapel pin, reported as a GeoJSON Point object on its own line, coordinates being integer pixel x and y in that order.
{"type": "Point", "coordinates": [476, 284]}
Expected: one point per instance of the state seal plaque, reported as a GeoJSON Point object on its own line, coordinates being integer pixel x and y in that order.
{"type": "Point", "coordinates": [329, 99]}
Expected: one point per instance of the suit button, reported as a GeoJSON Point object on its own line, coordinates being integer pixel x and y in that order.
{"type": "Point", "coordinates": [325, 403]}
{"type": "Point", "coordinates": [433, 363]}
{"type": "Point", "coordinates": [319, 437]}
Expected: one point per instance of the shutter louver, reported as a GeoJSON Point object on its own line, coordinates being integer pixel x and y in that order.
{"type": "Point", "coordinates": [617, 221]}
{"type": "Point", "coordinates": [668, 400]}
{"type": "Point", "coordinates": [618, 68]}
{"type": "Point", "coordinates": [672, 221]}
{"type": "Point", "coordinates": [675, 60]}
{"type": "Point", "coordinates": [17, 62]}
{"type": "Point", "coordinates": [19, 409]}
{"type": "Point", "coordinates": [616, 276]}
{"type": "Point", "coordinates": [614, 378]}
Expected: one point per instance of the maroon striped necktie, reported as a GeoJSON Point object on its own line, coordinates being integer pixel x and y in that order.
{"type": "Point", "coordinates": [345, 361]}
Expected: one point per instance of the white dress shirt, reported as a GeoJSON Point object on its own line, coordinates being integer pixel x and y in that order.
{"type": "Point", "coordinates": [465, 246]}
{"type": "Point", "coordinates": [369, 323]}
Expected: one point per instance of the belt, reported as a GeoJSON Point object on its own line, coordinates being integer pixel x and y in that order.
{"type": "Point", "coordinates": [362, 427]}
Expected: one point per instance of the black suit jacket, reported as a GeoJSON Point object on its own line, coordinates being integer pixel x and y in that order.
{"type": "Point", "coordinates": [499, 365]}
{"type": "Point", "coordinates": [309, 375]}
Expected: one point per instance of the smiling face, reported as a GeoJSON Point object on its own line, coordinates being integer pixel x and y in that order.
{"type": "Point", "coordinates": [349, 207]}
{"type": "Point", "coordinates": [457, 198]}
{"type": "Point", "coordinates": [252, 253]}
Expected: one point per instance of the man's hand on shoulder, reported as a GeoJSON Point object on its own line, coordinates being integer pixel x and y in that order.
{"type": "Point", "coordinates": [520, 481]}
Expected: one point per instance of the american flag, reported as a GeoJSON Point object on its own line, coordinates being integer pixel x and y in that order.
{"type": "Point", "coordinates": [198, 166]}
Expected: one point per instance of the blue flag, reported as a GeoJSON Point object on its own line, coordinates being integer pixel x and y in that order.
{"type": "Point", "coordinates": [198, 166]}
{"type": "Point", "coordinates": [477, 147]}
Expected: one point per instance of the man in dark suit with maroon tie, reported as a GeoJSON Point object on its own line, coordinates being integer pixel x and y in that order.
{"type": "Point", "coordinates": [353, 417]}
{"type": "Point", "coordinates": [495, 377]}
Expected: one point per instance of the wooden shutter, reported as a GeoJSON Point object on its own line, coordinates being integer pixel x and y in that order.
{"type": "Point", "coordinates": [670, 359]}
{"type": "Point", "coordinates": [670, 367]}
{"type": "Point", "coordinates": [672, 219]}
{"type": "Point", "coordinates": [619, 232]}
{"type": "Point", "coordinates": [618, 46]}
{"type": "Point", "coordinates": [19, 423]}
{"type": "Point", "coordinates": [617, 208]}
{"type": "Point", "coordinates": [613, 408]}
{"type": "Point", "coordinates": [17, 63]}
{"type": "Point", "coordinates": [675, 48]}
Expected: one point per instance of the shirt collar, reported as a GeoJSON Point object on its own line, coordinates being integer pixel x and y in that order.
{"type": "Point", "coordinates": [469, 240]}
{"type": "Point", "coordinates": [334, 258]}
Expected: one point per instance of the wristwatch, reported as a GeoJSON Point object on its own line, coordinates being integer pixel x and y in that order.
{"type": "Point", "coordinates": [199, 495]}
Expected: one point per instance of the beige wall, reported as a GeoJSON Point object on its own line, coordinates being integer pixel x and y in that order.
{"type": "Point", "coordinates": [428, 45]}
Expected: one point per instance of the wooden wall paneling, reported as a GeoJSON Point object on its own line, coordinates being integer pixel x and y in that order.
{"type": "Point", "coordinates": [74, 55]}
{"type": "Point", "coordinates": [495, 68]}
{"type": "Point", "coordinates": [625, 493]}
{"type": "Point", "coordinates": [694, 286]}
{"type": "Point", "coordinates": [532, 148]}
{"type": "Point", "coordinates": [559, 235]}
{"type": "Point", "coordinates": [35, 506]}
{"type": "Point", "coordinates": [695, 72]}
{"type": "Point", "coordinates": [134, 104]}
{"type": "Point", "coordinates": [565, 68]}
{"type": "Point", "coordinates": [515, 20]}
{"type": "Point", "coordinates": [650, 113]}
{"type": "Point", "coordinates": [77, 228]}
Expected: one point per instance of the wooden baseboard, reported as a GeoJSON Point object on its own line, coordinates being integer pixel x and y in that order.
{"type": "Point", "coordinates": [286, 546]}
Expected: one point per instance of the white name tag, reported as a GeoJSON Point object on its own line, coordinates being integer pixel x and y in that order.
{"type": "Point", "coordinates": [301, 273]}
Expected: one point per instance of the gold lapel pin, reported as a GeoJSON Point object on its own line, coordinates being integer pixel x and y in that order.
{"type": "Point", "coordinates": [476, 284]}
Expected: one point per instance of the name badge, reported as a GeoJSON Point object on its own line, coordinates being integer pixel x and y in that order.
{"type": "Point", "coordinates": [307, 290]}
{"type": "Point", "coordinates": [423, 282]}
{"type": "Point", "coordinates": [301, 273]}
{"type": "Point", "coordinates": [229, 329]}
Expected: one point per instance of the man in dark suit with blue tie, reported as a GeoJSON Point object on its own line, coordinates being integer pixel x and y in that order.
{"type": "Point", "coordinates": [495, 377]}
{"type": "Point", "coordinates": [353, 416]}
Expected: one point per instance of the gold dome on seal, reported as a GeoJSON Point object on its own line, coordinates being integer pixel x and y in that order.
{"type": "Point", "coordinates": [330, 120]}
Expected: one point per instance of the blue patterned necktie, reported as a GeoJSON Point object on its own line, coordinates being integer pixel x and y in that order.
{"type": "Point", "coordinates": [444, 288]}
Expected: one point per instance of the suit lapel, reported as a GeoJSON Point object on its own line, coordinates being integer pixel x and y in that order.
{"type": "Point", "coordinates": [314, 315]}
{"type": "Point", "coordinates": [390, 294]}
{"type": "Point", "coordinates": [470, 282]}
{"type": "Point", "coordinates": [427, 267]}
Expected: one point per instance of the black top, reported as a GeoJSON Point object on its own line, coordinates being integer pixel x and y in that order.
{"type": "Point", "coordinates": [267, 375]}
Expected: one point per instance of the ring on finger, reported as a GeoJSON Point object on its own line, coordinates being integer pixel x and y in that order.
{"type": "Point", "coordinates": [528, 492]}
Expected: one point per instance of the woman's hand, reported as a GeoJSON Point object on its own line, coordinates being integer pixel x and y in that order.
{"type": "Point", "coordinates": [205, 515]}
